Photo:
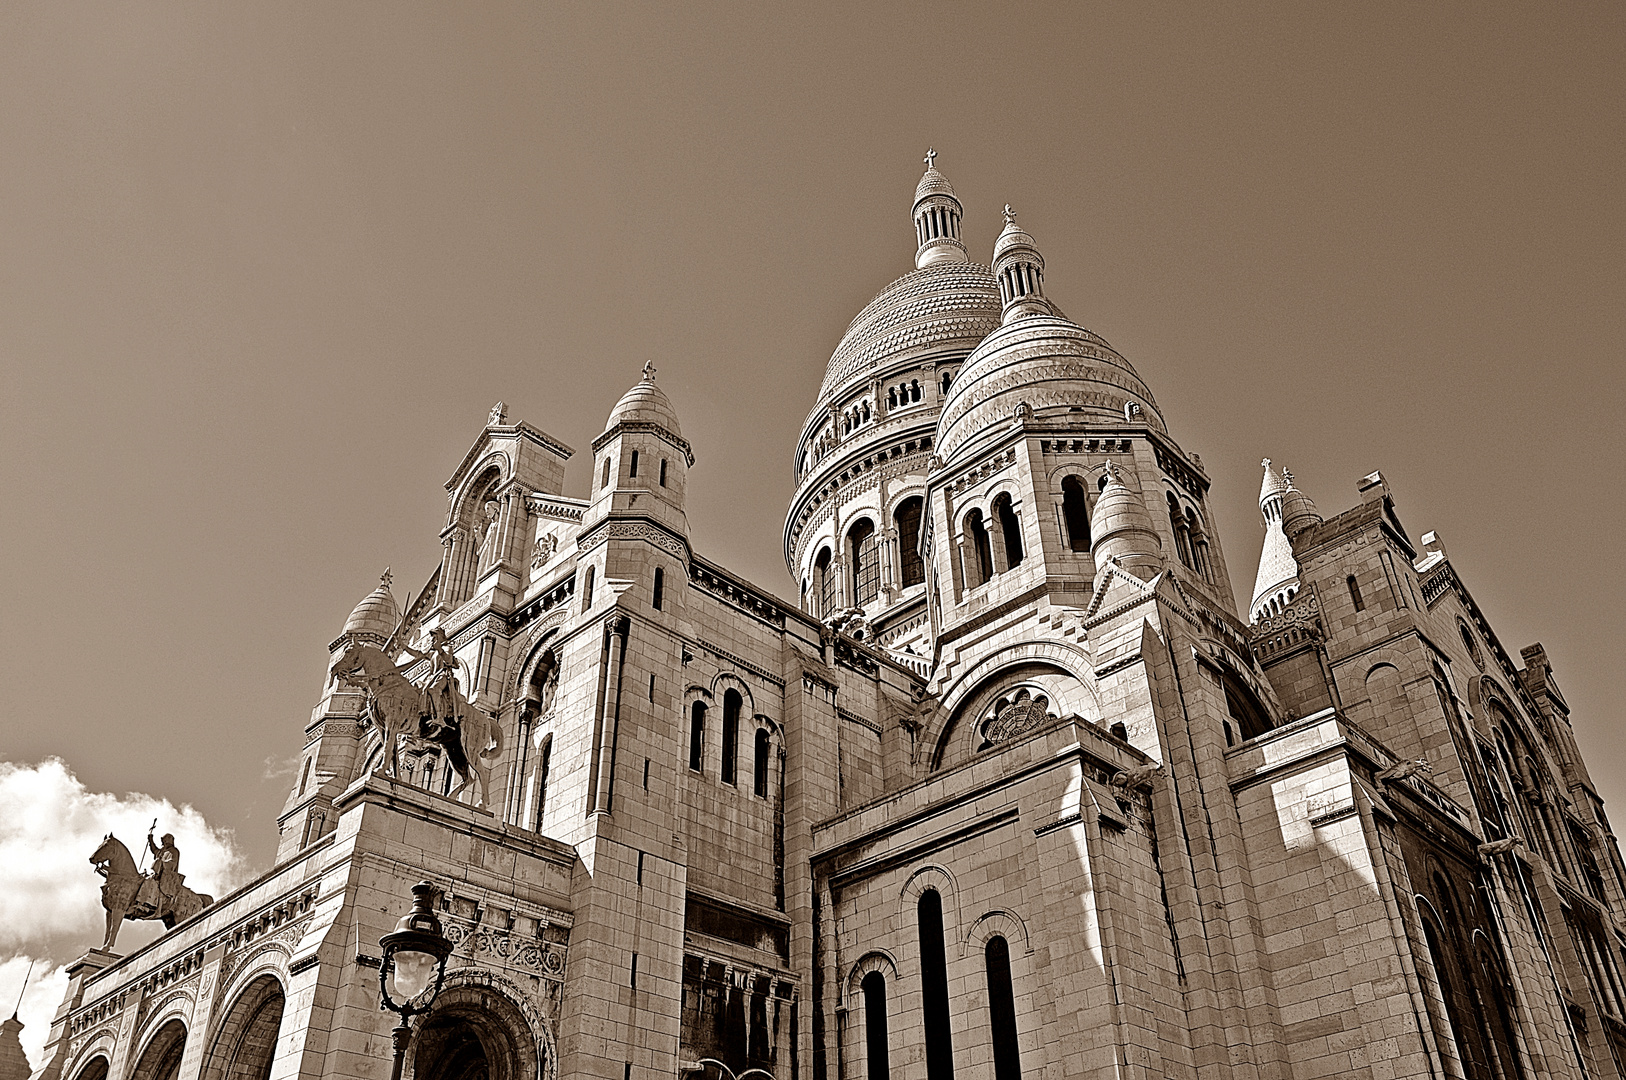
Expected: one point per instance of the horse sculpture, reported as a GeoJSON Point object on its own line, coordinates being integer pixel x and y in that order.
{"type": "Point", "coordinates": [130, 894]}
{"type": "Point", "coordinates": [470, 738]}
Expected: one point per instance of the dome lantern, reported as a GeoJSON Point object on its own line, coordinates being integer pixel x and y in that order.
{"type": "Point", "coordinates": [937, 215]}
{"type": "Point", "coordinates": [1019, 269]}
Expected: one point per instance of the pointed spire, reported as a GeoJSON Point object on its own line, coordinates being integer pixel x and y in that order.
{"type": "Point", "coordinates": [1019, 268]}
{"type": "Point", "coordinates": [937, 215]}
{"type": "Point", "coordinates": [498, 415]}
{"type": "Point", "coordinates": [1271, 489]}
{"type": "Point", "coordinates": [1277, 581]}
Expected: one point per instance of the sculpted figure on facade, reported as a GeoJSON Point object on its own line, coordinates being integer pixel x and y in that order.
{"type": "Point", "coordinates": [130, 894]}
{"type": "Point", "coordinates": [435, 714]}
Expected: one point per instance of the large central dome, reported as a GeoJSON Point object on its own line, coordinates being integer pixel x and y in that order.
{"type": "Point", "coordinates": [947, 305]}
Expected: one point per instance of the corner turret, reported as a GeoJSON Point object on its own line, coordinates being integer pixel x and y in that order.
{"type": "Point", "coordinates": [1122, 528]}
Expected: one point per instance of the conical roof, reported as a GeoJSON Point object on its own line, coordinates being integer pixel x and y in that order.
{"type": "Point", "coordinates": [1014, 236]}
{"type": "Point", "coordinates": [933, 182]}
{"type": "Point", "coordinates": [376, 614]}
{"type": "Point", "coordinates": [645, 403]}
{"type": "Point", "coordinates": [13, 1062]}
{"type": "Point", "coordinates": [1272, 485]}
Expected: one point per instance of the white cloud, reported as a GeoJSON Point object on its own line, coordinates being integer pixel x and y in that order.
{"type": "Point", "coordinates": [45, 989]}
{"type": "Point", "coordinates": [50, 824]}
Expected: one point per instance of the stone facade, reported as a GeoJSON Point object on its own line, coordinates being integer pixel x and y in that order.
{"type": "Point", "coordinates": [1011, 790]}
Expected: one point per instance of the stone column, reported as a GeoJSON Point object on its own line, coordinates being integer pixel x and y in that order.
{"type": "Point", "coordinates": [612, 715]}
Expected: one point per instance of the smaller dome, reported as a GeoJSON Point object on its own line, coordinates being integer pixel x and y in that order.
{"type": "Point", "coordinates": [933, 183]}
{"type": "Point", "coordinates": [1013, 237]}
{"type": "Point", "coordinates": [645, 403]}
{"type": "Point", "coordinates": [377, 614]}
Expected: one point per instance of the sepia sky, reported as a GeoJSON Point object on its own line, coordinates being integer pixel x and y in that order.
{"type": "Point", "coordinates": [265, 267]}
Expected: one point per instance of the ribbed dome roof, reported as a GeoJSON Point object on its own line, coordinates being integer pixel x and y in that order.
{"type": "Point", "coordinates": [376, 614]}
{"type": "Point", "coordinates": [1013, 236]}
{"type": "Point", "coordinates": [1053, 365]}
{"type": "Point", "coordinates": [945, 304]}
{"type": "Point", "coordinates": [933, 183]}
{"type": "Point", "coordinates": [644, 403]}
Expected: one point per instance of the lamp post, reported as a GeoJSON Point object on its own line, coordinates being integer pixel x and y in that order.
{"type": "Point", "coordinates": [413, 968]}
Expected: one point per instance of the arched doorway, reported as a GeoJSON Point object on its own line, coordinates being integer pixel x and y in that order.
{"type": "Point", "coordinates": [248, 1036]}
{"type": "Point", "coordinates": [161, 1060]}
{"type": "Point", "coordinates": [475, 1033]}
{"type": "Point", "coordinates": [96, 1069]}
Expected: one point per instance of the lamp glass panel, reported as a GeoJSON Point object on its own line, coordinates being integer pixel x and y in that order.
{"type": "Point", "coordinates": [413, 973]}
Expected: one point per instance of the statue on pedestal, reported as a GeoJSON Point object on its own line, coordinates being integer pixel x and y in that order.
{"type": "Point", "coordinates": [130, 894]}
{"type": "Point", "coordinates": [435, 713]}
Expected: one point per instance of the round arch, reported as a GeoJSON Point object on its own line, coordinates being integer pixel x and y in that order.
{"type": "Point", "coordinates": [981, 685]}
{"type": "Point", "coordinates": [161, 1060]}
{"type": "Point", "coordinates": [998, 923]}
{"type": "Point", "coordinates": [94, 1069]}
{"type": "Point", "coordinates": [933, 876]}
{"type": "Point", "coordinates": [478, 1032]}
{"type": "Point", "coordinates": [246, 1041]}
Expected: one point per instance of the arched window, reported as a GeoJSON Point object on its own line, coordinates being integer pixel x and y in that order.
{"type": "Point", "coordinates": [1442, 1014]}
{"type": "Point", "coordinates": [914, 390]}
{"type": "Point", "coordinates": [977, 557]}
{"type": "Point", "coordinates": [660, 587]}
{"type": "Point", "coordinates": [542, 765]}
{"type": "Point", "coordinates": [824, 584]}
{"type": "Point", "coordinates": [697, 736]}
{"type": "Point", "coordinates": [911, 568]}
{"type": "Point", "coordinates": [731, 734]}
{"type": "Point", "coordinates": [663, 472]}
{"type": "Point", "coordinates": [1199, 545]}
{"type": "Point", "coordinates": [1002, 1009]}
{"type": "Point", "coordinates": [946, 377]}
{"type": "Point", "coordinates": [1075, 514]}
{"type": "Point", "coordinates": [1250, 716]}
{"type": "Point", "coordinates": [587, 590]}
{"type": "Point", "coordinates": [1355, 593]}
{"type": "Point", "coordinates": [874, 988]}
{"type": "Point", "coordinates": [892, 397]}
{"type": "Point", "coordinates": [1182, 534]}
{"type": "Point", "coordinates": [96, 1070]}
{"type": "Point", "coordinates": [604, 481]}
{"type": "Point", "coordinates": [633, 471]}
{"type": "Point", "coordinates": [759, 769]}
{"type": "Point", "coordinates": [864, 556]}
{"type": "Point", "coordinates": [934, 987]}
{"type": "Point", "coordinates": [1010, 531]}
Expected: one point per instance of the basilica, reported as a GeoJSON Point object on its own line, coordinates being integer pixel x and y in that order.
{"type": "Point", "coordinates": [1017, 786]}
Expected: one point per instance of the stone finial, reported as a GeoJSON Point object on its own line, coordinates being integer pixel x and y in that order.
{"type": "Point", "coordinates": [386, 577]}
{"type": "Point", "coordinates": [498, 415]}
{"type": "Point", "coordinates": [649, 371]}
{"type": "Point", "coordinates": [931, 158]}
{"type": "Point", "coordinates": [1010, 215]}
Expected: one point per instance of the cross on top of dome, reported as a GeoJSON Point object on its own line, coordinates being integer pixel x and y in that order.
{"type": "Point", "coordinates": [649, 371]}
{"type": "Point", "coordinates": [931, 158]}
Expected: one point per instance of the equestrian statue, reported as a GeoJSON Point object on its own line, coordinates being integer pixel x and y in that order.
{"type": "Point", "coordinates": [130, 894]}
{"type": "Point", "coordinates": [433, 714]}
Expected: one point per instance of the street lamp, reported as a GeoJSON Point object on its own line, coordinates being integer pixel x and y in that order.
{"type": "Point", "coordinates": [413, 967]}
